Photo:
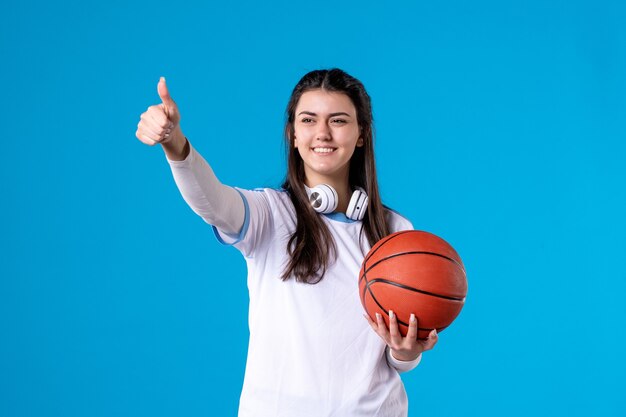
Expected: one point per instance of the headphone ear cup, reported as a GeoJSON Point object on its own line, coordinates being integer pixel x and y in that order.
{"type": "Point", "coordinates": [358, 204]}
{"type": "Point", "coordinates": [323, 198]}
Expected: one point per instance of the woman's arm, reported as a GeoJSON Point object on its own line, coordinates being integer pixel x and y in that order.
{"type": "Point", "coordinates": [178, 148]}
{"type": "Point", "coordinates": [215, 202]}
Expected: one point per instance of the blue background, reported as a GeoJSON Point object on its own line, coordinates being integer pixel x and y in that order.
{"type": "Point", "coordinates": [500, 127]}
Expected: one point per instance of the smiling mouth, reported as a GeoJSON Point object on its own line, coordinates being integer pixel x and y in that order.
{"type": "Point", "coordinates": [324, 150]}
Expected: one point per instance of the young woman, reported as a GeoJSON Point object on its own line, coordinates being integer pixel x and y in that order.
{"type": "Point", "coordinates": [310, 351]}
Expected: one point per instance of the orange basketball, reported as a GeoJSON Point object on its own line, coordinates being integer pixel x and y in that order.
{"type": "Point", "coordinates": [413, 272]}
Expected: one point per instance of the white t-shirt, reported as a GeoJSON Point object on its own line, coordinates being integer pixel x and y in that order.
{"type": "Point", "coordinates": [311, 352]}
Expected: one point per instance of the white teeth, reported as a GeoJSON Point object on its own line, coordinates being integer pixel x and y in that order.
{"type": "Point", "coordinates": [323, 150]}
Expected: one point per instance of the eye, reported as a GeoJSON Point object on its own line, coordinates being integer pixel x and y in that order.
{"type": "Point", "coordinates": [339, 121]}
{"type": "Point", "coordinates": [307, 120]}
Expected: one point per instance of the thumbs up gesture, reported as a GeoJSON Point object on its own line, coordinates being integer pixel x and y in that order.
{"type": "Point", "coordinates": [161, 122]}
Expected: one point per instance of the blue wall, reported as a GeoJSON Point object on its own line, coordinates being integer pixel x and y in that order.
{"type": "Point", "coordinates": [500, 127]}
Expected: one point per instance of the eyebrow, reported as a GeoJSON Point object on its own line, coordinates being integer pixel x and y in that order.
{"type": "Point", "coordinates": [331, 115]}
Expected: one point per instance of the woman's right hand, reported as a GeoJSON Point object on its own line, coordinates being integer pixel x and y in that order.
{"type": "Point", "coordinates": [161, 122]}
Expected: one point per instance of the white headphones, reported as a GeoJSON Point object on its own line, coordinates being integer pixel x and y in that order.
{"type": "Point", "coordinates": [324, 199]}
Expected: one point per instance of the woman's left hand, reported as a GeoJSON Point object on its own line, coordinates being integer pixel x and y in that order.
{"type": "Point", "coordinates": [402, 348]}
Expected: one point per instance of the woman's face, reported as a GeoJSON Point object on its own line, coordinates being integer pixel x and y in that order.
{"type": "Point", "coordinates": [326, 134]}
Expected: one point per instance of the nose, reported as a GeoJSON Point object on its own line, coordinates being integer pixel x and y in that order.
{"type": "Point", "coordinates": [323, 132]}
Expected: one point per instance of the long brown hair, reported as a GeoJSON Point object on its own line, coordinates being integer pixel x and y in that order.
{"type": "Point", "coordinates": [311, 247]}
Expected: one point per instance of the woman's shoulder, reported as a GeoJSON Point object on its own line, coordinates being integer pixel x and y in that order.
{"type": "Point", "coordinates": [269, 192]}
{"type": "Point", "coordinates": [397, 221]}
{"type": "Point", "coordinates": [276, 200]}
{"type": "Point", "coordinates": [277, 194]}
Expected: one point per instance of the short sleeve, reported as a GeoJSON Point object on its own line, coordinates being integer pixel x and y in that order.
{"type": "Point", "coordinates": [397, 222]}
{"type": "Point", "coordinates": [257, 226]}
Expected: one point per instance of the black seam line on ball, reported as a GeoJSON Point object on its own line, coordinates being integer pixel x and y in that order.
{"type": "Point", "coordinates": [415, 253]}
{"type": "Point", "coordinates": [375, 280]}
{"type": "Point", "coordinates": [384, 243]}
{"type": "Point", "coordinates": [384, 309]}
{"type": "Point", "coordinates": [369, 255]}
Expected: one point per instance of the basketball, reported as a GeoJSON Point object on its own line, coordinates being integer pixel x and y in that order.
{"type": "Point", "coordinates": [413, 272]}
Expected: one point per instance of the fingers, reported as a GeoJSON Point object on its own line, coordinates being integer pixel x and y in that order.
{"type": "Point", "coordinates": [154, 127]}
{"type": "Point", "coordinates": [152, 137]}
{"type": "Point", "coordinates": [394, 332]}
{"type": "Point", "coordinates": [391, 335]}
{"type": "Point", "coordinates": [152, 123]}
{"type": "Point", "coordinates": [156, 115]}
{"type": "Point", "coordinates": [433, 337]}
{"type": "Point", "coordinates": [148, 140]}
{"type": "Point", "coordinates": [164, 94]}
{"type": "Point", "coordinates": [412, 333]}
{"type": "Point", "coordinates": [160, 123]}
{"type": "Point", "coordinates": [381, 328]}
{"type": "Point", "coordinates": [409, 346]}
{"type": "Point", "coordinates": [378, 326]}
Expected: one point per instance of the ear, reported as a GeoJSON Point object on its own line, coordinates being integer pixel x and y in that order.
{"type": "Point", "coordinates": [360, 142]}
{"type": "Point", "coordinates": [292, 138]}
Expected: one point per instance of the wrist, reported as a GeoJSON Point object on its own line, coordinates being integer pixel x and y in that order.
{"type": "Point", "coordinates": [176, 149]}
{"type": "Point", "coordinates": [401, 365]}
{"type": "Point", "coordinates": [403, 357]}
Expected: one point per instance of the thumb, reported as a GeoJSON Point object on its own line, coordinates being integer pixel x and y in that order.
{"type": "Point", "coordinates": [168, 103]}
{"type": "Point", "coordinates": [433, 337]}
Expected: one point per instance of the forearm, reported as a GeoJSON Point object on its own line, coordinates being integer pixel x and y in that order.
{"type": "Point", "coordinates": [178, 148]}
{"type": "Point", "coordinates": [216, 203]}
